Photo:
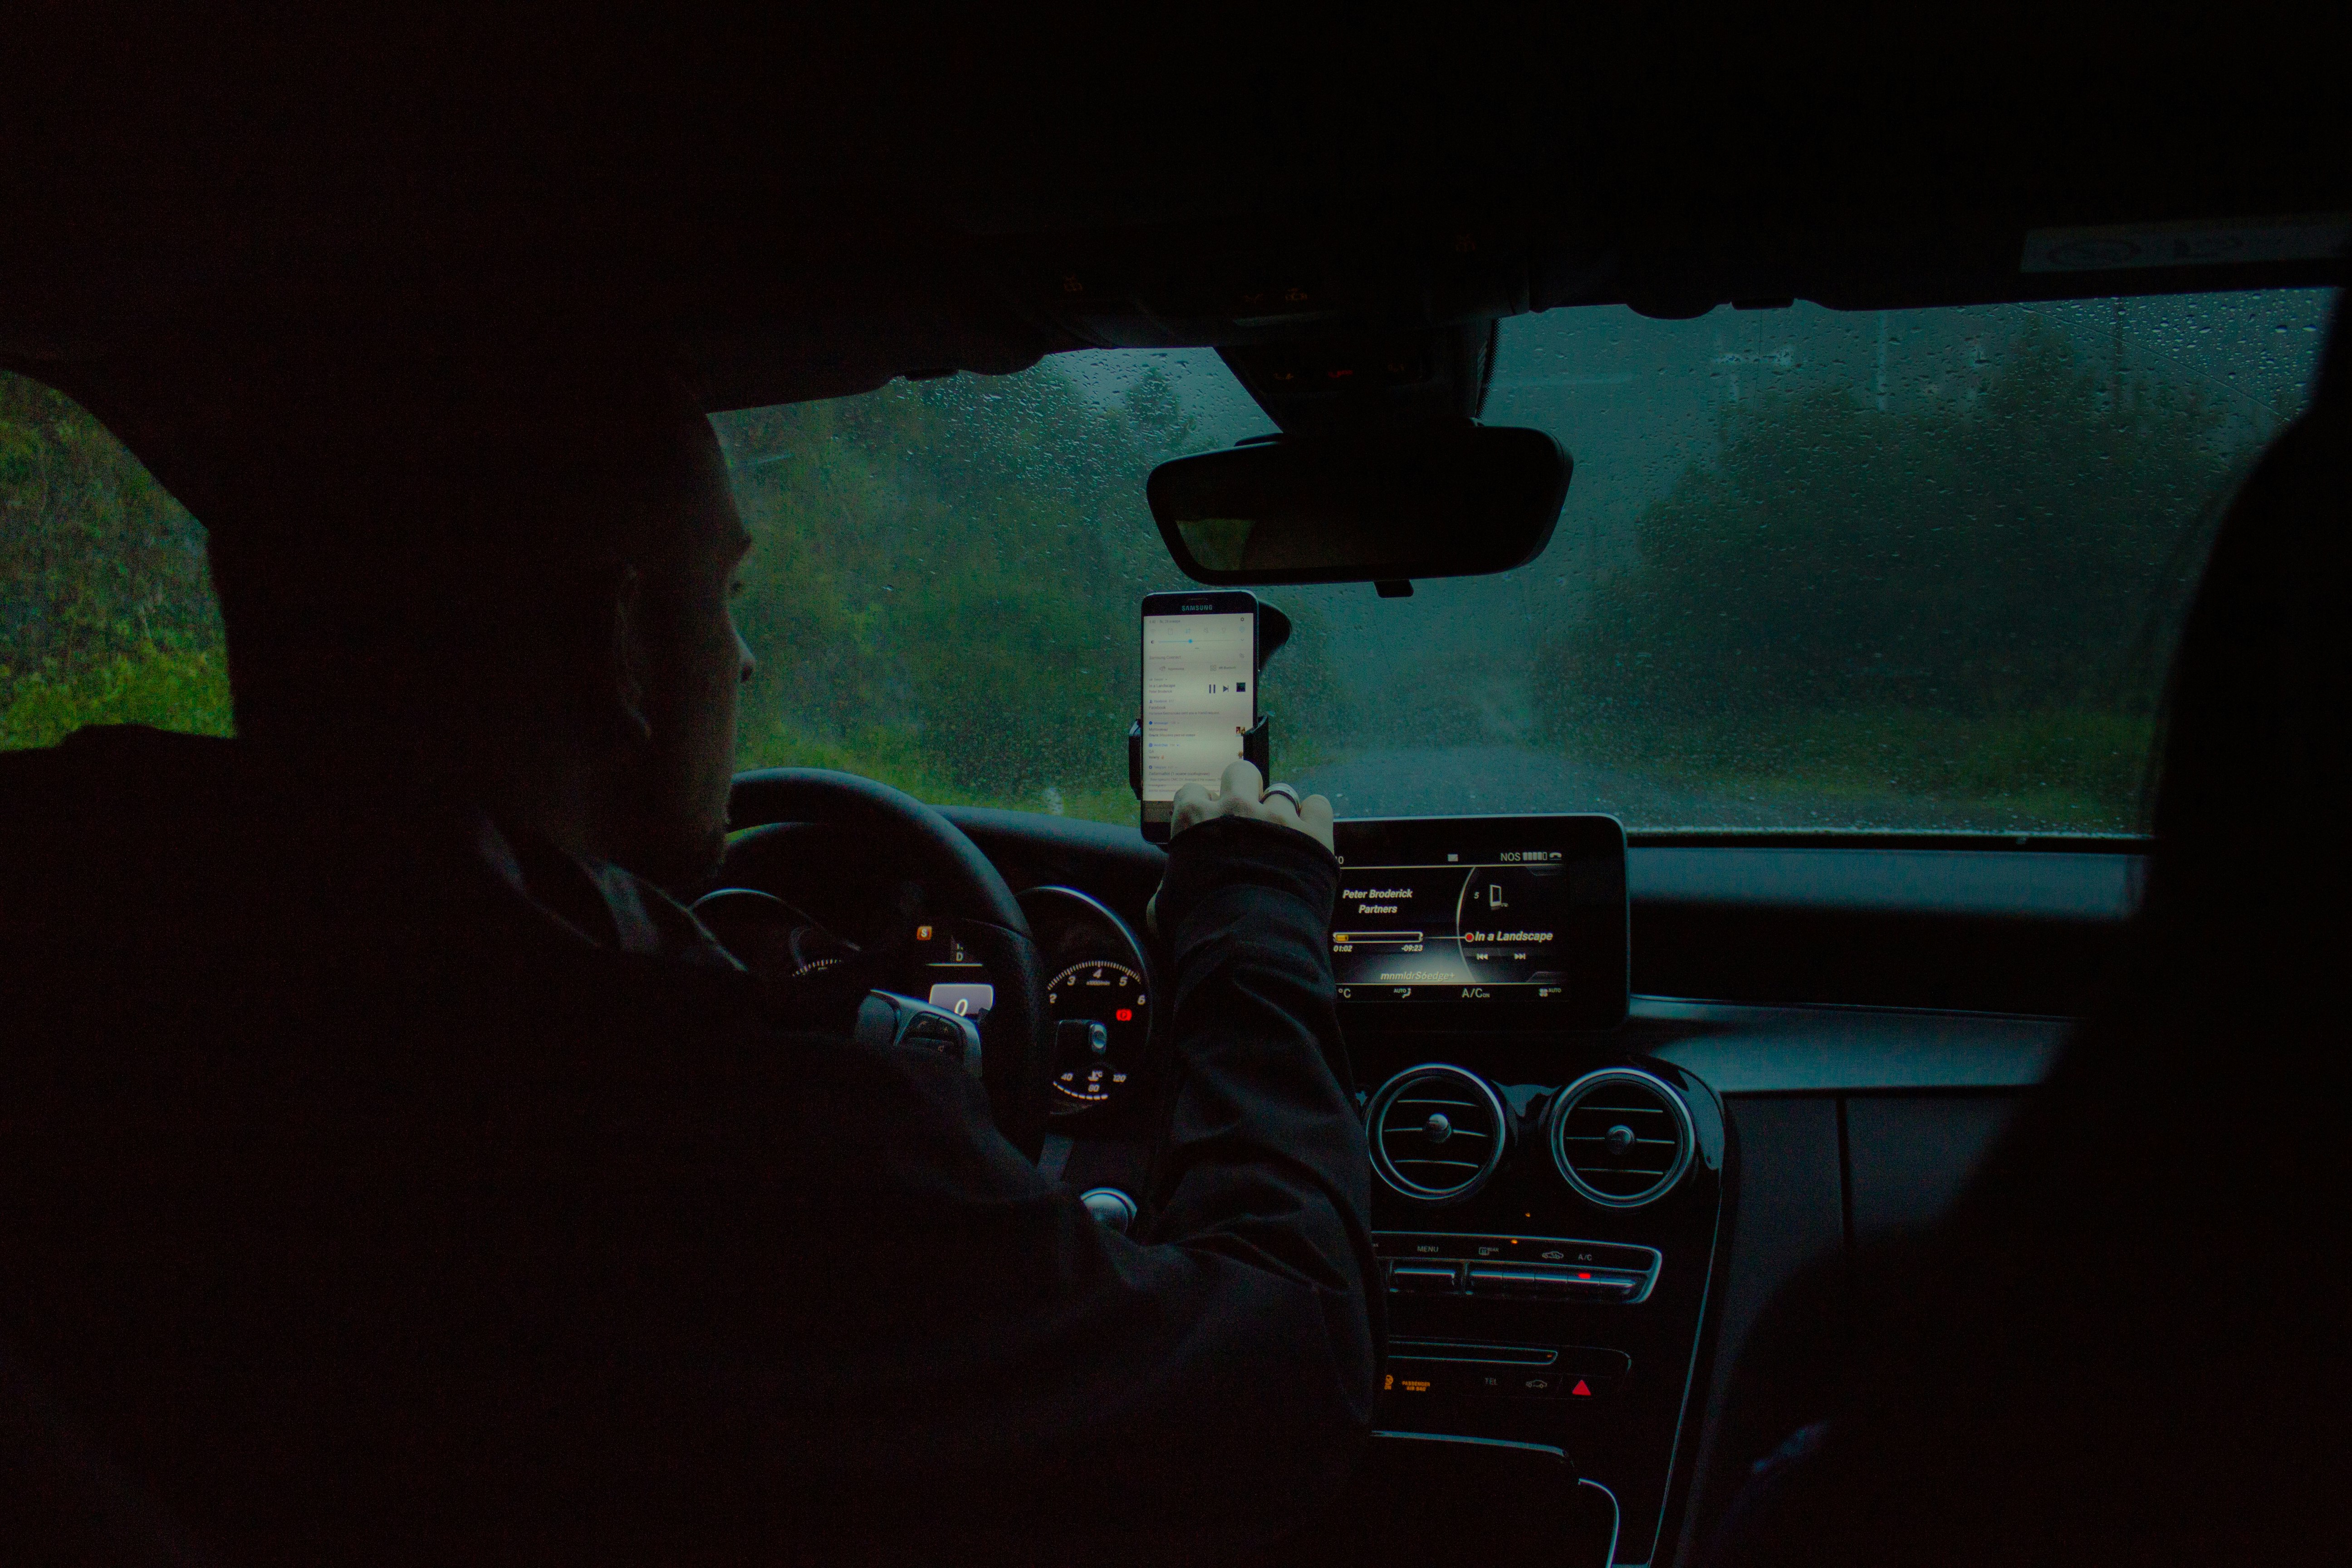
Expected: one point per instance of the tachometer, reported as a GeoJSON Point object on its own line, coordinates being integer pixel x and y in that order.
{"type": "Point", "coordinates": [1099, 1011]}
{"type": "Point", "coordinates": [1098, 1007]}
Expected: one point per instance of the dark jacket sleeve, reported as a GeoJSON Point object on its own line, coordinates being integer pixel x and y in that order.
{"type": "Point", "coordinates": [964, 1333]}
{"type": "Point", "coordinates": [1264, 1110]}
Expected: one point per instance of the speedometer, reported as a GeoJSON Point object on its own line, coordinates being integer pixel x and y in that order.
{"type": "Point", "coordinates": [1100, 1024]}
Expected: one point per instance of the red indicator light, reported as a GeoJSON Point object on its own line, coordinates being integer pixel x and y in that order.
{"type": "Point", "coordinates": [1582, 1389]}
{"type": "Point", "coordinates": [1583, 1276]}
{"type": "Point", "coordinates": [1125, 1014]}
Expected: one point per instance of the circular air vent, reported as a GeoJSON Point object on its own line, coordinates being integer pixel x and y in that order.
{"type": "Point", "coordinates": [1620, 1137]}
{"type": "Point", "coordinates": [1437, 1132]}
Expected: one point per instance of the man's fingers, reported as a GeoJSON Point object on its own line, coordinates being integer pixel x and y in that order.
{"type": "Point", "coordinates": [1280, 805]}
{"type": "Point", "coordinates": [1192, 808]}
{"type": "Point", "coordinates": [1242, 792]}
{"type": "Point", "coordinates": [1315, 819]}
{"type": "Point", "coordinates": [1240, 787]}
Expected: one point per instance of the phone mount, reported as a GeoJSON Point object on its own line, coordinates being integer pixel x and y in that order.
{"type": "Point", "coordinates": [1257, 740]}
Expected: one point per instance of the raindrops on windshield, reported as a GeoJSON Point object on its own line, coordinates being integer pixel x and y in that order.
{"type": "Point", "coordinates": [1907, 570]}
{"type": "Point", "coordinates": [1817, 570]}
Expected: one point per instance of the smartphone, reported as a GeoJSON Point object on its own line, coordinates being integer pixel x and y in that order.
{"type": "Point", "coordinates": [1200, 692]}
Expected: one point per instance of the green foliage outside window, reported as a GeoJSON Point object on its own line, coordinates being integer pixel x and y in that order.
{"type": "Point", "coordinates": [1958, 600]}
{"type": "Point", "coordinates": [943, 584]}
{"type": "Point", "coordinates": [105, 614]}
{"type": "Point", "coordinates": [1951, 611]}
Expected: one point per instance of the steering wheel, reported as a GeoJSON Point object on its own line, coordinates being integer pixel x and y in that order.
{"type": "Point", "coordinates": [963, 887]}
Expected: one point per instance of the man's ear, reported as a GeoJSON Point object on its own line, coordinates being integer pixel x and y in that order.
{"type": "Point", "coordinates": [631, 658]}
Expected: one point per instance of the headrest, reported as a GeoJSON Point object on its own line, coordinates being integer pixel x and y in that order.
{"type": "Point", "coordinates": [2257, 760]}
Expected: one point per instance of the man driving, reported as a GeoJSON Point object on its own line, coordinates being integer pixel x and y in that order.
{"type": "Point", "coordinates": [393, 1171]}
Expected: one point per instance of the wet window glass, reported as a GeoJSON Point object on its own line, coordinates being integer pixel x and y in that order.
{"type": "Point", "coordinates": [106, 611]}
{"type": "Point", "coordinates": [1907, 570]}
{"type": "Point", "coordinates": [1910, 569]}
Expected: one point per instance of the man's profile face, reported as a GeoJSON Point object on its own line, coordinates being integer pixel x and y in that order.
{"type": "Point", "coordinates": [694, 668]}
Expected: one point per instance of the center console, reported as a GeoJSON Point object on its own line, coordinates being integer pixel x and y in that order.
{"type": "Point", "coordinates": [1550, 1209]}
{"type": "Point", "coordinates": [1549, 1212]}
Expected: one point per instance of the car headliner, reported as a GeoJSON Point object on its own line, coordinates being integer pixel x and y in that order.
{"type": "Point", "coordinates": [808, 205]}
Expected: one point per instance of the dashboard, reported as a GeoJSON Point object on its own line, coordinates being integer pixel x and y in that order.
{"type": "Point", "coordinates": [1864, 1012]}
{"type": "Point", "coordinates": [1854, 1021]}
{"type": "Point", "coordinates": [1098, 975]}
{"type": "Point", "coordinates": [1548, 1206]}
{"type": "Point", "coordinates": [1476, 922]}
{"type": "Point", "coordinates": [1809, 1125]}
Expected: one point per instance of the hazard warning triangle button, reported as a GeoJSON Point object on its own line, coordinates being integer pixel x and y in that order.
{"type": "Point", "coordinates": [1583, 1390]}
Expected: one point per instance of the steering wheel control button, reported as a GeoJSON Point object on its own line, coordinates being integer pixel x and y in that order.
{"type": "Point", "coordinates": [1110, 1206]}
{"type": "Point", "coordinates": [965, 999]}
{"type": "Point", "coordinates": [887, 1016]}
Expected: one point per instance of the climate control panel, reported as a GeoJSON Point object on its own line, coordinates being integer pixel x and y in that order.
{"type": "Point", "coordinates": [1521, 1268]}
{"type": "Point", "coordinates": [1549, 1250]}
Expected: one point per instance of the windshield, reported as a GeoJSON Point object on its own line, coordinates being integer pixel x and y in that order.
{"type": "Point", "coordinates": [1907, 570]}
{"type": "Point", "coordinates": [1903, 569]}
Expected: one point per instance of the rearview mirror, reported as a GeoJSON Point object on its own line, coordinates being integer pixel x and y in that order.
{"type": "Point", "coordinates": [1437, 501]}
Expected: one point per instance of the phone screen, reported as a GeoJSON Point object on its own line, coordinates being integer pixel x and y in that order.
{"type": "Point", "coordinates": [1199, 675]}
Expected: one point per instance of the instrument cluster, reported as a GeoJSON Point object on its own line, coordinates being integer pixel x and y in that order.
{"type": "Point", "coordinates": [1099, 998]}
{"type": "Point", "coordinates": [1099, 994]}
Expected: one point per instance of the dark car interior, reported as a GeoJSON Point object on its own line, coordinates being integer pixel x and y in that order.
{"type": "Point", "coordinates": [1627, 1253]}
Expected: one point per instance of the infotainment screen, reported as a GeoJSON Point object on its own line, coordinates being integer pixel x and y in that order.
{"type": "Point", "coordinates": [1516, 920]}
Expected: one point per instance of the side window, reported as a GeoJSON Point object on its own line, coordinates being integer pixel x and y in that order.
{"type": "Point", "coordinates": [107, 613]}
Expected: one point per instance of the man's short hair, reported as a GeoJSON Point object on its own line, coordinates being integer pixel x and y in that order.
{"type": "Point", "coordinates": [414, 545]}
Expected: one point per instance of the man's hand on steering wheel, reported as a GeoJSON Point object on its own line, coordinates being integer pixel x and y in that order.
{"type": "Point", "coordinates": [1243, 792]}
